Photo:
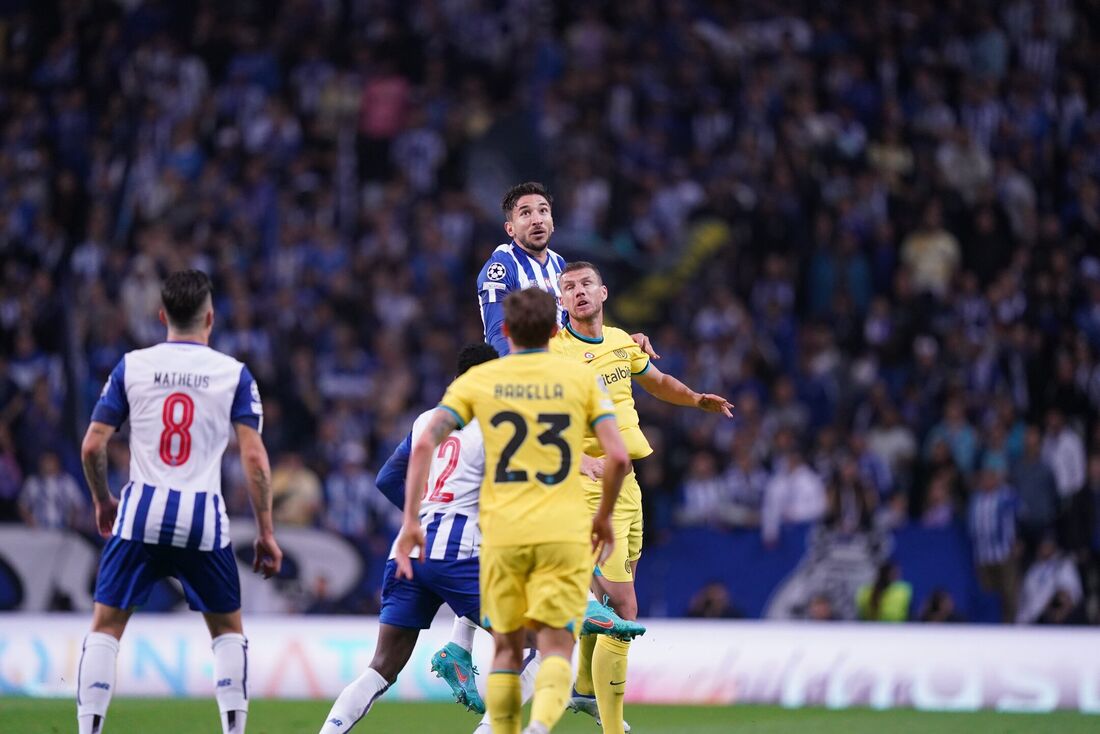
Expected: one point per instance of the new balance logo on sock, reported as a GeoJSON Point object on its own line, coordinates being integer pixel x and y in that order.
{"type": "Point", "coordinates": [336, 721]}
{"type": "Point", "coordinates": [224, 682]}
{"type": "Point", "coordinates": [101, 684]}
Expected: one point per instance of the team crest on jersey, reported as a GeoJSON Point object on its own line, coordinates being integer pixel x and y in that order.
{"type": "Point", "coordinates": [589, 355]}
{"type": "Point", "coordinates": [621, 354]}
{"type": "Point", "coordinates": [496, 271]}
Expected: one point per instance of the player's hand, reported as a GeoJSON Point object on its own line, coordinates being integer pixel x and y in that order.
{"type": "Point", "coordinates": [603, 538]}
{"type": "Point", "coordinates": [267, 557]}
{"type": "Point", "coordinates": [105, 514]}
{"type": "Point", "coordinates": [592, 467]}
{"type": "Point", "coordinates": [409, 539]}
{"type": "Point", "coordinates": [714, 404]}
{"type": "Point", "coordinates": [645, 345]}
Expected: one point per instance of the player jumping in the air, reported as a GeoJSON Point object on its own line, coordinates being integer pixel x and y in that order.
{"type": "Point", "coordinates": [601, 674]}
{"type": "Point", "coordinates": [181, 398]}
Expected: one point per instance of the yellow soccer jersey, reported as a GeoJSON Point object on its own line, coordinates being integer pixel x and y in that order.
{"type": "Point", "coordinates": [616, 359]}
{"type": "Point", "coordinates": [534, 409]}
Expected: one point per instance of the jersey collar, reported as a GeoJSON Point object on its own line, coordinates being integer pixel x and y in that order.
{"type": "Point", "coordinates": [582, 337]}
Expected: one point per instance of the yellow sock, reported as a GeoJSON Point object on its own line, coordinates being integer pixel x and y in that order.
{"type": "Point", "coordinates": [609, 679]}
{"type": "Point", "coordinates": [552, 684]}
{"type": "Point", "coordinates": [502, 698]}
{"type": "Point", "coordinates": [583, 683]}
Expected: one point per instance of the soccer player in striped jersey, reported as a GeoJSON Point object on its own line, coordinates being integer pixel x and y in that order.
{"type": "Point", "coordinates": [525, 262]}
{"type": "Point", "coordinates": [449, 573]}
{"type": "Point", "coordinates": [181, 398]}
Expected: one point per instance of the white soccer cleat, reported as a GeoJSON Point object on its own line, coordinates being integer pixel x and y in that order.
{"type": "Point", "coordinates": [587, 705]}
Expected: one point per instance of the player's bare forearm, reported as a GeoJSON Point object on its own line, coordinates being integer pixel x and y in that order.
{"type": "Point", "coordinates": [438, 428]}
{"type": "Point", "coordinates": [257, 472]}
{"type": "Point", "coordinates": [93, 459]}
{"type": "Point", "coordinates": [670, 390]}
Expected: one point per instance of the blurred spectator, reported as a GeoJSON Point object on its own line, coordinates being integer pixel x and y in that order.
{"type": "Point", "coordinates": [957, 433]}
{"type": "Point", "coordinates": [1037, 490]}
{"type": "Point", "coordinates": [351, 496]}
{"type": "Point", "coordinates": [745, 481]}
{"type": "Point", "coordinates": [11, 478]}
{"type": "Point", "coordinates": [1051, 592]}
{"type": "Point", "coordinates": [713, 602]}
{"type": "Point", "coordinates": [939, 607]}
{"type": "Point", "coordinates": [931, 252]}
{"type": "Point", "coordinates": [887, 599]}
{"type": "Point", "coordinates": [51, 499]}
{"type": "Point", "coordinates": [993, 535]}
{"type": "Point", "coordinates": [296, 492]}
{"type": "Point", "coordinates": [939, 505]}
{"type": "Point", "coordinates": [707, 499]}
{"type": "Point", "coordinates": [1064, 451]}
{"type": "Point", "coordinates": [820, 609]}
{"type": "Point", "coordinates": [794, 494]}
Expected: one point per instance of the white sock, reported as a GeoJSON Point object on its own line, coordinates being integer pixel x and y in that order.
{"type": "Point", "coordinates": [354, 702]}
{"type": "Point", "coordinates": [531, 662]}
{"type": "Point", "coordinates": [462, 633]}
{"type": "Point", "coordinates": [231, 680]}
{"type": "Point", "coordinates": [95, 681]}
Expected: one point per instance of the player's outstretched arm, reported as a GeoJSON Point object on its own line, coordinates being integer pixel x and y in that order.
{"type": "Point", "coordinates": [93, 457]}
{"type": "Point", "coordinates": [411, 536]}
{"type": "Point", "coordinates": [268, 557]}
{"type": "Point", "coordinates": [669, 389]}
{"type": "Point", "coordinates": [616, 464]}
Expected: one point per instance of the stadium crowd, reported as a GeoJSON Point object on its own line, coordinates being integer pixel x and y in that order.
{"type": "Point", "coordinates": [904, 305]}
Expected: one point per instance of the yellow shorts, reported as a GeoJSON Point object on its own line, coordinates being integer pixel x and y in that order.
{"type": "Point", "coordinates": [626, 521]}
{"type": "Point", "coordinates": [546, 583]}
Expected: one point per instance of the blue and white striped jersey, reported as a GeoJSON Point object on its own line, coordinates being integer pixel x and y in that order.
{"type": "Point", "coordinates": [449, 511]}
{"type": "Point", "coordinates": [181, 399]}
{"type": "Point", "coordinates": [509, 269]}
{"type": "Point", "coordinates": [993, 524]}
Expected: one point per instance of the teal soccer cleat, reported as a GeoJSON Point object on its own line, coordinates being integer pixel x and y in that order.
{"type": "Point", "coordinates": [600, 619]}
{"type": "Point", "coordinates": [453, 664]}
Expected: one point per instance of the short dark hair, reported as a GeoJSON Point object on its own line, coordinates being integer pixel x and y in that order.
{"type": "Point", "coordinates": [530, 315]}
{"type": "Point", "coordinates": [184, 294]}
{"type": "Point", "coordinates": [472, 355]}
{"type": "Point", "coordinates": [519, 191]}
{"type": "Point", "coordinates": [582, 265]}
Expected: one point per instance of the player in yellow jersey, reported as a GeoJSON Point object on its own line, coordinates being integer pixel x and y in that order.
{"type": "Point", "coordinates": [538, 544]}
{"type": "Point", "coordinates": [601, 676]}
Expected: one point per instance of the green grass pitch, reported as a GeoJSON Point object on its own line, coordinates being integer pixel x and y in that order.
{"type": "Point", "coordinates": [164, 716]}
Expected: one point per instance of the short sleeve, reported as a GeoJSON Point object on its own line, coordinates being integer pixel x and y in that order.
{"type": "Point", "coordinates": [247, 406]}
{"type": "Point", "coordinates": [458, 400]}
{"type": "Point", "coordinates": [599, 402]}
{"type": "Point", "coordinates": [639, 360]}
{"type": "Point", "coordinates": [113, 407]}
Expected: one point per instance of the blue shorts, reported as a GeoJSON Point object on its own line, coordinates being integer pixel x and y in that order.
{"type": "Point", "coordinates": [414, 603]}
{"type": "Point", "coordinates": [129, 569]}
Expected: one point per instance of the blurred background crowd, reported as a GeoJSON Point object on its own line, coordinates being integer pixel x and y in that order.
{"type": "Point", "coordinates": [875, 229]}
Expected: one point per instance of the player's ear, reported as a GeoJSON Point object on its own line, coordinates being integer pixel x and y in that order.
{"type": "Point", "coordinates": [504, 330]}
{"type": "Point", "coordinates": [603, 293]}
{"type": "Point", "coordinates": [210, 319]}
{"type": "Point", "coordinates": [509, 229]}
{"type": "Point", "coordinates": [555, 331]}
{"type": "Point", "coordinates": [162, 317]}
